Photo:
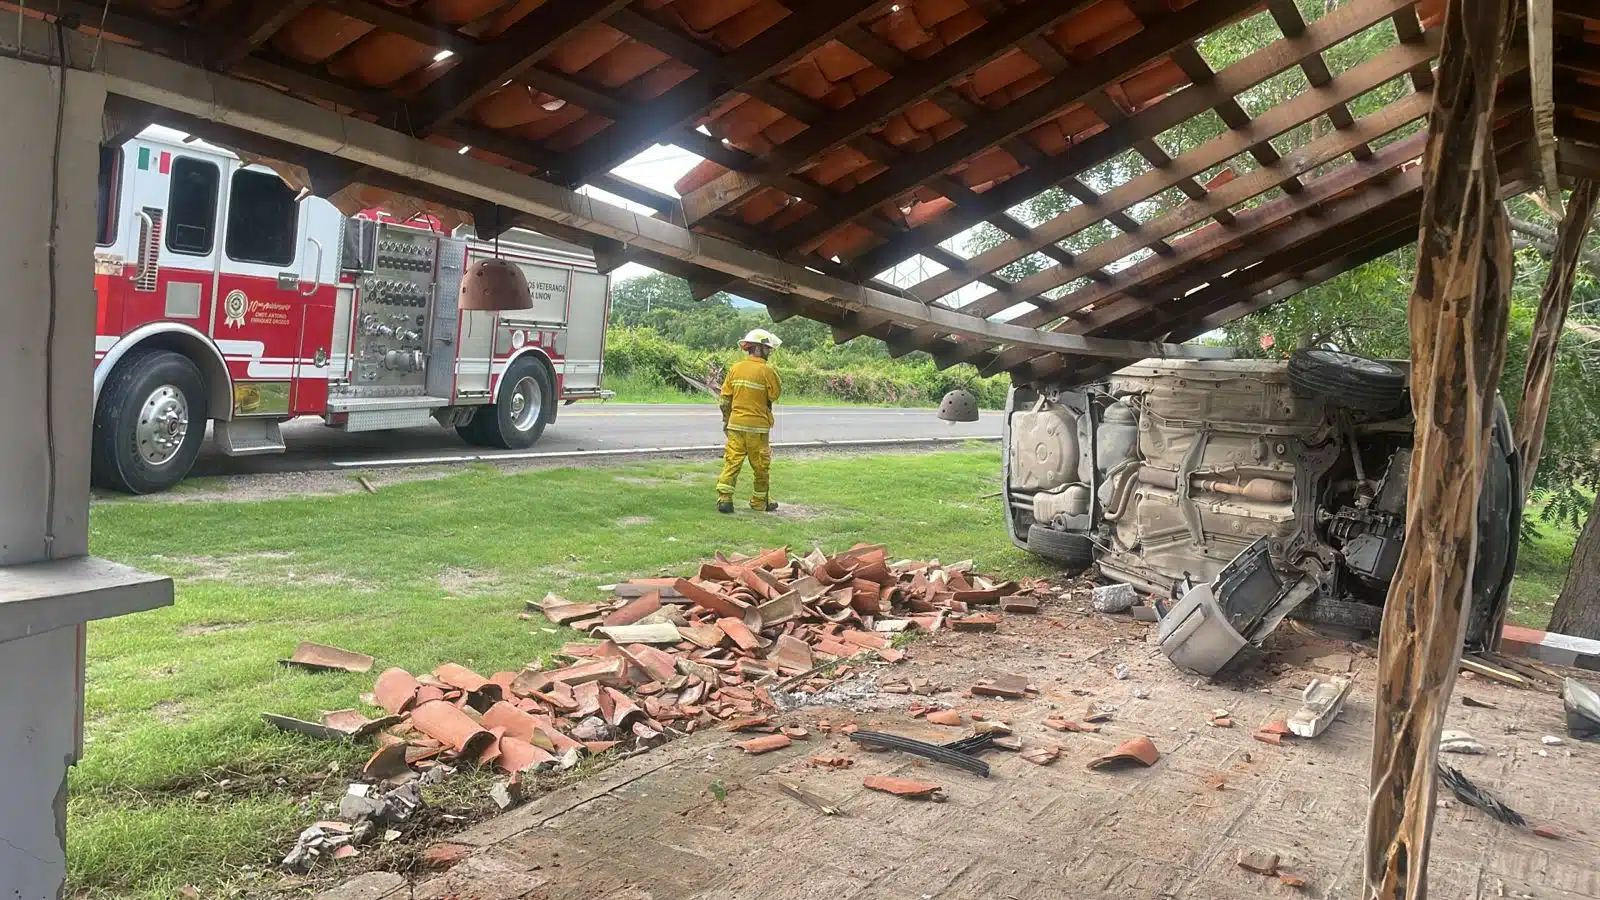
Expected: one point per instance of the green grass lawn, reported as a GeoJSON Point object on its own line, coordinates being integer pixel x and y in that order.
{"type": "Point", "coordinates": [1541, 571]}
{"type": "Point", "coordinates": [417, 574]}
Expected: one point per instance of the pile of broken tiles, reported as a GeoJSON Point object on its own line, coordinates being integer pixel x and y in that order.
{"type": "Point", "coordinates": [711, 645]}
{"type": "Point", "coordinates": [673, 654]}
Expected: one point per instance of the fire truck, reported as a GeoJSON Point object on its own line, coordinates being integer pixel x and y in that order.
{"type": "Point", "coordinates": [227, 297]}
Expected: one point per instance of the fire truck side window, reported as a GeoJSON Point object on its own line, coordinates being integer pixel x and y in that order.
{"type": "Point", "coordinates": [108, 196]}
{"type": "Point", "coordinates": [192, 206]}
{"type": "Point", "coordinates": [262, 215]}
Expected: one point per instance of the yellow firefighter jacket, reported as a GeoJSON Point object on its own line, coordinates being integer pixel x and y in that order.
{"type": "Point", "coordinates": [748, 392]}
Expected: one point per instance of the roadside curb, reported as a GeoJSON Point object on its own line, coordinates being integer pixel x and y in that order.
{"type": "Point", "coordinates": [644, 451]}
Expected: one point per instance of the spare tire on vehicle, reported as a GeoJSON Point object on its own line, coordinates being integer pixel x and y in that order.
{"type": "Point", "coordinates": [1073, 550]}
{"type": "Point", "coordinates": [1353, 382]}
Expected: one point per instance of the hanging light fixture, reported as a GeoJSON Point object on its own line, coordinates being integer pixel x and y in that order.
{"type": "Point", "coordinates": [494, 284]}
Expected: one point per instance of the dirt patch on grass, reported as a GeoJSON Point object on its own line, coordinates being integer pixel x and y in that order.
{"type": "Point", "coordinates": [456, 580]}
{"type": "Point", "coordinates": [223, 568]}
{"type": "Point", "coordinates": [625, 521]}
{"type": "Point", "coordinates": [639, 479]}
{"type": "Point", "coordinates": [199, 628]}
{"type": "Point", "coordinates": [170, 712]}
{"type": "Point", "coordinates": [800, 512]}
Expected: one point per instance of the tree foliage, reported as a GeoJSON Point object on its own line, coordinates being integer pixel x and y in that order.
{"type": "Point", "coordinates": [1364, 311]}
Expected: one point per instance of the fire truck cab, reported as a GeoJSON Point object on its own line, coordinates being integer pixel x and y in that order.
{"type": "Point", "coordinates": [226, 297]}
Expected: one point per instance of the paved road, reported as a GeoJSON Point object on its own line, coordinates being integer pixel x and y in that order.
{"type": "Point", "coordinates": [593, 427]}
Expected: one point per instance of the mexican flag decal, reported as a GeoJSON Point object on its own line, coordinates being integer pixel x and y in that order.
{"type": "Point", "coordinates": [162, 160]}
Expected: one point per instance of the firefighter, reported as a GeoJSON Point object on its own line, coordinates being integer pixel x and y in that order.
{"type": "Point", "coordinates": [748, 392]}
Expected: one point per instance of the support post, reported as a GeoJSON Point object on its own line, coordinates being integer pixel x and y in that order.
{"type": "Point", "coordinates": [1457, 318]}
{"type": "Point", "coordinates": [48, 588]}
{"type": "Point", "coordinates": [1548, 323]}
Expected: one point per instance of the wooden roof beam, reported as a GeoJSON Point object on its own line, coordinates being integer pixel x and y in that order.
{"type": "Point", "coordinates": [768, 53]}
{"type": "Point", "coordinates": [242, 31]}
{"type": "Point", "coordinates": [910, 85]}
{"type": "Point", "coordinates": [1344, 21]}
{"type": "Point", "coordinates": [1275, 121]}
{"type": "Point", "coordinates": [1541, 69]}
{"type": "Point", "coordinates": [1307, 159]}
{"type": "Point", "coordinates": [513, 52]}
{"type": "Point", "coordinates": [1289, 21]}
{"type": "Point", "coordinates": [1263, 231]}
{"type": "Point", "coordinates": [1017, 116]}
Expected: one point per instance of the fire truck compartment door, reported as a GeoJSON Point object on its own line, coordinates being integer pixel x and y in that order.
{"type": "Point", "coordinates": [548, 287]}
{"type": "Point", "coordinates": [586, 333]}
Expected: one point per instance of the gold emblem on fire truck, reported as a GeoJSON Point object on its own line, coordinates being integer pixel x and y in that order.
{"type": "Point", "coordinates": [233, 309]}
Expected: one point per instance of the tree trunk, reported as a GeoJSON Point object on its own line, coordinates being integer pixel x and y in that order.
{"type": "Point", "coordinates": [1548, 324]}
{"type": "Point", "coordinates": [1577, 610]}
{"type": "Point", "coordinates": [1457, 317]}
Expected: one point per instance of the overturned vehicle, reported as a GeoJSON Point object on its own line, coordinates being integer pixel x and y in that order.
{"type": "Point", "coordinates": [1237, 493]}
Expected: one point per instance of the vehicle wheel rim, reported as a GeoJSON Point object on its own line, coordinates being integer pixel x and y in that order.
{"type": "Point", "coordinates": [163, 425]}
{"type": "Point", "coordinates": [527, 403]}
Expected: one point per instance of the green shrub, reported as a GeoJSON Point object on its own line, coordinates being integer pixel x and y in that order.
{"type": "Point", "coordinates": [841, 372]}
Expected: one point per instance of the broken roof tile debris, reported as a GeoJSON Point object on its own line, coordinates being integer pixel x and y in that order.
{"type": "Point", "coordinates": [323, 658]}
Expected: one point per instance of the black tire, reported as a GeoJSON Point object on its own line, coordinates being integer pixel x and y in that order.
{"type": "Point", "coordinates": [123, 457]}
{"type": "Point", "coordinates": [1074, 551]}
{"type": "Point", "coordinates": [501, 424]}
{"type": "Point", "coordinates": [1353, 382]}
{"type": "Point", "coordinates": [1499, 527]}
{"type": "Point", "coordinates": [1340, 613]}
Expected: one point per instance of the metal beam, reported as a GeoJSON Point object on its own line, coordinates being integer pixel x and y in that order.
{"type": "Point", "coordinates": [1344, 21]}
{"type": "Point", "coordinates": [164, 82]}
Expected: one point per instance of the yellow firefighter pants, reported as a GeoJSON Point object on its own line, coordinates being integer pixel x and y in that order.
{"type": "Point", "coordinates": [744, 445]}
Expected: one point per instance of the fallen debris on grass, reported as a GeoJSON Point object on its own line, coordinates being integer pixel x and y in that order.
{"type": "Point", "coordinates": [323, 658]}
{"type": "Point", "coordinates": [674, 655]}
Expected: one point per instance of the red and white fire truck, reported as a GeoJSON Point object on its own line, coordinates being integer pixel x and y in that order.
{"type": "Point", "coordinates": [224, 296]}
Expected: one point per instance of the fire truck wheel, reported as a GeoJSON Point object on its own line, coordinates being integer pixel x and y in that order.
{"type": "Point", "coordinates": [518, 418]}
{"type": "Point", "coordinates": [149, 424]}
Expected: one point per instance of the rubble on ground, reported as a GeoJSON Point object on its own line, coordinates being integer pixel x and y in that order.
{"type": "Point", "coordinates": [671, 655]}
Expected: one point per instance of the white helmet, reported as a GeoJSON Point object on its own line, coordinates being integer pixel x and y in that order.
{"type": "Point", "coordinates": [761, 336]}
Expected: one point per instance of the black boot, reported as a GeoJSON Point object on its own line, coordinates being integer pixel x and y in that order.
{"type": "Point", "coordinates": [724, 506]}
{"type": "Point", "coordinates": [771, 507]}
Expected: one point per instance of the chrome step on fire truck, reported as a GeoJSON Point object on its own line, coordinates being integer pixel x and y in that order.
{"type": "Point", "coordinates": [226, 297]}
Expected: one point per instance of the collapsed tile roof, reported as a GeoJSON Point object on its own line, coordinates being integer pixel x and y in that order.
{"type": "Point", "coordinates": [872, 140]}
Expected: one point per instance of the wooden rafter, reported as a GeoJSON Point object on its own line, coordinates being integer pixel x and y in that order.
{"type": "Point", "coordinates": [767, 54]}
{"type": "Point", "coordinates": [1016, 117]}
{"type": "Point", "coordinates": [1219, 149]}
{"type": "Point", "coordinates": [236, 37]}
{"type": "Point", "coordinates": [1541, 67]}
{"type": "Point", "coordinates": [1299, 162]}
{"type": "Point", "coordinates": [911, 84]}
{"type": "Point", "coordinates": [1344, 21]}
{"type": "Point", "coordinates": [514, 52]}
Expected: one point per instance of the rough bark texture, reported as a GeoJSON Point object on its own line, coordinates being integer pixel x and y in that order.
{"type": "Point", "coordinates": [1548, 324]}
{"type": "Point", "coordinates": [1458, 333]}
{"type": "Point", "coordinates": [1577, 610]}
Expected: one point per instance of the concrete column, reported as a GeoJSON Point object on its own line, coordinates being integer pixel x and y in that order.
{"type": "Point", "coordinates": [44, 472]}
